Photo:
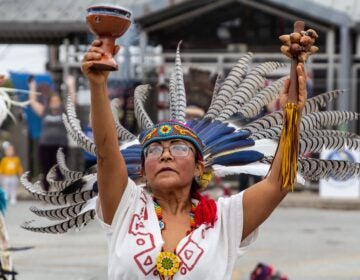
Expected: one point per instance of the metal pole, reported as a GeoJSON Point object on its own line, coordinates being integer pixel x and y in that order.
{"type": "Point", "coordinates": [143, 44]}
{"type": "Point", "coordinates": [344, 71]}
{"type": "Point", "coordinates": [66, 60]}
{"type": "Point", "coordinates": [330, 51]}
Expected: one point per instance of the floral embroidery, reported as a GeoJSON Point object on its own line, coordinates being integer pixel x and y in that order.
{"type": "Point", "coordinates": [167, 263]}
{"type": "Point", "coordinates": [165, 130]}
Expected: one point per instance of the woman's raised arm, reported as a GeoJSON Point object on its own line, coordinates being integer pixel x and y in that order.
{"type": "Point", "coordinates": [262, 198]}
{"type": "Point", "coordinates": [111, 170]}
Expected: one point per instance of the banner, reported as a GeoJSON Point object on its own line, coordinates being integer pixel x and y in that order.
{"type": "Point", "coordinates": [333, 188]}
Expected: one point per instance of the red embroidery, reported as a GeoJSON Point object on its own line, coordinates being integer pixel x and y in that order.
{"type": "Point", "coordinates": [136, 225]}
{"type": "Point", "coordinates": [148, 261]}
{"type": "Point", "coordinates": [140, 241]}
{"type": "Point", "coordinates": [190, 254]}
{"type": "Point", "coordinates": [146, 242]}
{"type": "Point", "coordinates": [143, 197]}
{"type": "Point", "coordinates": [143, 259]}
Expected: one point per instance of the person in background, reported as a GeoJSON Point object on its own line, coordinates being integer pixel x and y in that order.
{"type": "Point", "coordinates": [53, 132]}
{"type": "Point", "coordinates": [194, 112]}
{"type": "Point", "coordinates": [10, 170]}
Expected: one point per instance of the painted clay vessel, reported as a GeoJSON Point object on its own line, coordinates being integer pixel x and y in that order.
{"type": "Point", "coordinates": [108, 23]}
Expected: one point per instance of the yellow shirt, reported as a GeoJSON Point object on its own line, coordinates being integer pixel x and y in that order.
{"type": "Point", "coordinates": [10, 166]}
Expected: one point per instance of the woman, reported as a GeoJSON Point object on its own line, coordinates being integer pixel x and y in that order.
{"type": "Point", "coordinates": [172, 233]}
{"type": "Point", "coordinates": [53, 132]}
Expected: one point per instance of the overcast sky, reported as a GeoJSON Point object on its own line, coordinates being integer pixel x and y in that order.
{"type": "Point", "coordinates": [22, 58]}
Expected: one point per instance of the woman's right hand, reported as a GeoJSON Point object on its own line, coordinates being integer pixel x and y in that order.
{"type": "Point", "coordinates": [94, 54]}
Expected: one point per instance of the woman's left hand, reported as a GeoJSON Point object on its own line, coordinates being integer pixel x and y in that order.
{"type": "Point", "coordinates": [302, 95]}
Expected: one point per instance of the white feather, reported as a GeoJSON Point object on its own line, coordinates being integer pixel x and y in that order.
{"type": "Point", "coordinates": [255, 168]}
{"type": "Point", "coordinates": [128, 144]}
{"type": "Point", "coordinates": [265, 146]}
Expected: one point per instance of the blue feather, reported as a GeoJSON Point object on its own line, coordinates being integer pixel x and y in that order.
{"type": "Point", "coordinates": [238, 158]}
{"type": "Point", "coordinates": [133, 159]}
{"type": "Point", "coordinates": [236, 136]}
{"type": "Point", "coordinates": [211, 128]}
{"type": "Point", "coordinates": [216, 133]}
{"type": "Point", "coordinates": [232, 145]}
{"type": "Point", "coordinates": [201, 125]}
{"type": "Point", "coordinates": [191, 123]}
{"type": "Point", "coordinates": [133, 168]}
{"type": "Point", "coordinates": [135, 146]}
{"type": "Point", "coordinates": [126, 153]}
{"type": "Point", "coordinates": [134, 176]}
{"type": "Point", "coordinates": [133, 149]}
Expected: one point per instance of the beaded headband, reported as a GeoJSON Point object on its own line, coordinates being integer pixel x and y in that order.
{"type": "Point", "coordinates": [171, 130]}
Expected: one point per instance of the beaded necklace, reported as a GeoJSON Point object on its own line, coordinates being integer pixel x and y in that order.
{"type": "Point", "coordinates": [167, 263]}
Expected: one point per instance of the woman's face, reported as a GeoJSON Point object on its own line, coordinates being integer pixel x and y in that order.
{"type": "Point", "coordinates": [171, 164]}
{"type": "Point", "coordinates": [9, 151]}
{"type": "Point", "coordinates": [55, 102]}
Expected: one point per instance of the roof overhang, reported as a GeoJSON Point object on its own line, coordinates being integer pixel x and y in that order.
{"type": "Point", "coordinates": [317, 16]}
{"type": "Point", "coordinates": [52, 32]}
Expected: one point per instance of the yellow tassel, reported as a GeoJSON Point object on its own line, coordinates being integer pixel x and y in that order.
{"type": "Point", "coordinates": [289, 142]}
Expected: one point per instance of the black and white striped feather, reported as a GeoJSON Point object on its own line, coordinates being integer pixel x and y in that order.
{"type": "Point", "coordinates": [330, 132]}
{"type": "Point", "coordinates": [254, 107]}
{"type": "Point", "coordinates": [249, 87]}
{"type": "Point", "coordinates": [65, 171]}
{"type": "Point", "coordinates": [71, 113]}
{"type": "Point", "coordinates": [273, 133]}
{"type": "Point", "coordinates": [122, 132]}
{"type": "Point", "coordinates": [61, 213]}
{"type": "Point", "coordinates": [55, 198]}
{"type": "Point", "coordinates": [326, 119]}
{"type": "Point", "coordinates": [265, 122]}
{"type": "Point", "coordinates": [180, 105]}
{"type": "Point", "coordinates": [333, 142]}
{"type": "Point", "coordinates": [140, 96]}
{"type": "Point", "coordinates": [78, 135]}
{"type": "Point", "coordinates": [77, 222]}
{"type": "Point", "coordinates": [230, 84]}
{"type": "Point", "coordinates": [56, 180]}
{"type": "Point", "coordinates": [172, 96]}
{"type": "Point", "coordinates": [315, 103]}
{"type": "Point", "coordinates": [316, 169]}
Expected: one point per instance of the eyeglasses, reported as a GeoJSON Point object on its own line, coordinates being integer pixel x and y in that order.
{"type": "Point", "coordinates": [176, 149]}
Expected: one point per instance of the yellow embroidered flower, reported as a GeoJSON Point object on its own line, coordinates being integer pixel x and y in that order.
{"type": "Point", "coordinates": [167, 263]}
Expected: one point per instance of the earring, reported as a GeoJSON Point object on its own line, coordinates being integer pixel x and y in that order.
{"type": "Point", "coordinates": [204, 179]}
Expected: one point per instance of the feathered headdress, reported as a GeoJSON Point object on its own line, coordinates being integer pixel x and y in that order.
{"type": "Point", "coordinates": [227, 149]}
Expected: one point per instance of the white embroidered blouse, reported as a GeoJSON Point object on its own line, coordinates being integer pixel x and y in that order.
{"type": "Point", "coordinates": [135, 240]}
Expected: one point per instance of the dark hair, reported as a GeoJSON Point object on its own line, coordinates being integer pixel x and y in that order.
{"type": "Point", "coordinates": [54, 94]}
{"type": "Point", "coordinates": [30, 78]}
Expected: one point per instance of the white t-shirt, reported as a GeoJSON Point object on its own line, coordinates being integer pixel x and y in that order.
{"type": "Point", "coordinates": [135, 240]}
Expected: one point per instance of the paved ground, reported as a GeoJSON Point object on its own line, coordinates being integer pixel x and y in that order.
{"type": "Point", "coordinates": [301, 238]}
